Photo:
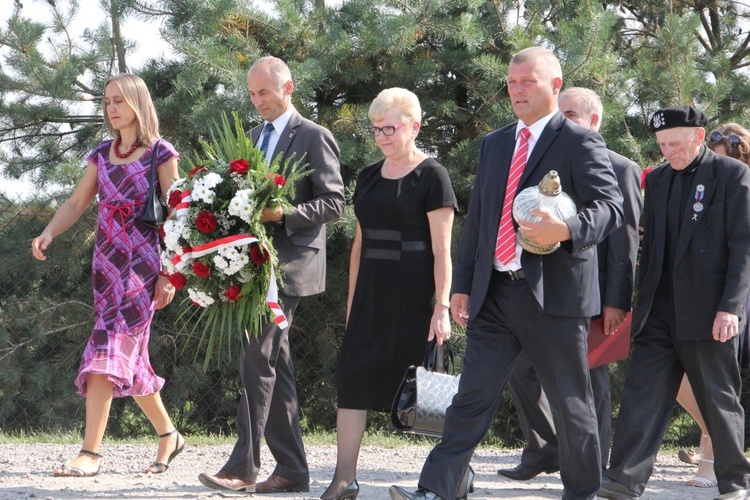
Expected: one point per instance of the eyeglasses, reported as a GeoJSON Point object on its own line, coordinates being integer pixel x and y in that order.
{"type": "Point", "coordinates": [717, 136]}
{"type": "Point", "coordinates": [387, 131]}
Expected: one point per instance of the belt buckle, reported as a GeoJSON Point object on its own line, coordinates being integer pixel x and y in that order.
{"type": "Point", "coordinates": [516, 275]}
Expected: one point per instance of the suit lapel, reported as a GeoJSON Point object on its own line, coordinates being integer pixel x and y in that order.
{"type": "Point", "coordinates": [287, 136]}
{"type": "Point", "coordinates": [255, 134]}
{"type": "Point", "coordinates": [659, 201]}
{"type": "Point", "coordinates": [507, 146]}
{"type": "Point", "coordinates": [497, 164]}
{"type": "Point", "coordinates": [542, 144]}
{"type": "Point", "coordinates": [691, 218]}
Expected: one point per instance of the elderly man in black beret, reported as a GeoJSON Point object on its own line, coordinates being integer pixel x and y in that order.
{"type": "Point", "coordinates": [694, 278]}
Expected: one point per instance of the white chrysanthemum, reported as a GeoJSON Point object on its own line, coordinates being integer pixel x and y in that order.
{"type": "Point", "coordinates": [242, 205]}
{"type": "Point", "coordinates": [200, 298]}
{"type": "Point", "coordinates": [239, 263]}
{"type": "Point", "coordinates": [231, 253]}
{"type": "Point", "coordinates": [220, 262]}
{"type": "Point", "coordinates": [203, 188]}
{"type": "Point", "coordinates": [231, 259]}
{"type": "Point", "coordinates": [174, 231]}
{"type": "Point", "coordinates": [166, 263]}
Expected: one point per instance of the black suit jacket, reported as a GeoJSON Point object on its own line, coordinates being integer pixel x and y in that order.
{"type": "Point", "coordinates": [712, 261]}
{"type": "Point", "coordinates": [319, 198]}
{"type": "Point", "coordinates": [565, 282]}
{"type": "Point", "coordinates": [619, 251]}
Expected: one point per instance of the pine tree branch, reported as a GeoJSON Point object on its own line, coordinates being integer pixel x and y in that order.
{"type": "Point", "coordinates": [8, 351]}
{"type": "Point", "coordinates": [14, 347]}
{"type": "Point", "coordinates": [149, 10]}
{"type": "Point", "coordinates": [30, 136]}
{"type": "Point", "coordinates": [711, 45]}
{"type": "Point", "coordinates": [499, 16]}
{"type": "Point", "coordinates": [63, 119]}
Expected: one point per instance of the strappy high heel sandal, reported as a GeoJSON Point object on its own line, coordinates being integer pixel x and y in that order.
{"type": "Point", "coordinates": [70, 471]}
{"type": "Point", "coordinates": [700, 481]}
{"type": "Point", "coordinates": [161, 467]}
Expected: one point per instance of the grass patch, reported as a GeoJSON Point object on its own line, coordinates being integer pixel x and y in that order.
{"type": "Point", "coordinates": [319, 437]}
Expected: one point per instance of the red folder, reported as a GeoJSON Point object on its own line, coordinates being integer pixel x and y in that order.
{"type": "Point", "coordinates": [606, 349]}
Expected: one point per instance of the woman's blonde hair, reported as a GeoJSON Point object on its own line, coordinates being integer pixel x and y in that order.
{"type": "Point", "coordinates": [742, 150]}
{"type": "Point", "coordinates": [403, 100]}
{"type": "Point", "coordinates": [137, 96]}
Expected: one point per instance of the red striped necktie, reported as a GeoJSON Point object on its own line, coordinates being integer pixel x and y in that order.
{"type": "Point", "coordinates": [505, 249]}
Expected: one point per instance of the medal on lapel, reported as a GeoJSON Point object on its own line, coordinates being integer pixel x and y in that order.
{"type": "Point", "coordinates": [699, 190]}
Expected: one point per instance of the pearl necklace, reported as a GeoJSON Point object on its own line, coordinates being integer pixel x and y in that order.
{"type": "Point", "coordinates": [136, 145]}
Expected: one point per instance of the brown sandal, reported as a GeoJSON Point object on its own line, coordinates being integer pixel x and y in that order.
{"type": "Point", "coordinates": [161, 467]}
{"type": "Point", "coordinates": [68, 471]}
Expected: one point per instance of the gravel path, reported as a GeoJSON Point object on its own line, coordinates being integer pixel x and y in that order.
{"type": "Point", "coordinates": [25, 473]}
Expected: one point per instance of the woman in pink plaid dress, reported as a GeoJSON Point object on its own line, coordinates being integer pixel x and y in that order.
{"type": "Point", "coordinates": [128, 285]}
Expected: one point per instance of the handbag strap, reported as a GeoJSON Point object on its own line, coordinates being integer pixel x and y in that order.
{"type": "Point", "coordinates": [440, 358]}
{"type": "Point", "coordinates": [154, 154]}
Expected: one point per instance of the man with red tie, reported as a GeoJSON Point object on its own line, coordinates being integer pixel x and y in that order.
{"type": "Point", "coordinates": [511, 300]}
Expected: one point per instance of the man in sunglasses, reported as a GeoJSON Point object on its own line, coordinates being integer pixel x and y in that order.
{"type": "Point", "coordinates": [694, 278]}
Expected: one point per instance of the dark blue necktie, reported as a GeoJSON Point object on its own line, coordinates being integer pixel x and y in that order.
{"type": "Point", "coordinates": [266, 139]}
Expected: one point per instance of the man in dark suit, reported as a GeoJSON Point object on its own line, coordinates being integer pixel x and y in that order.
{"type": "Point", "coordinates": [268, 404]}
{"type": "Point", "coordinates": [694, 278]}
{"type": "Point", "coordinates": [516, 301]}
{"type": "Point", "coordinates": [617, 259]}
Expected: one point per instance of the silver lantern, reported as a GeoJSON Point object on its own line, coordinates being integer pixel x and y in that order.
{"type": "Point", "coordinates": [548, 195]}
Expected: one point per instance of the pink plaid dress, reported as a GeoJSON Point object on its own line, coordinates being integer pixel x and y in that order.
{"type": "Point", "coordinates": [125, 269]}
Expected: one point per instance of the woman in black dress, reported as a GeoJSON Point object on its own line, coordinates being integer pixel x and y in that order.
{"type": "Point", "coordinates": [399, 275]}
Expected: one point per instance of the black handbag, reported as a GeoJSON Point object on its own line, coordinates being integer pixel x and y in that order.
{"type": "Point", "coordinates": [155, 210]}
{"type": "Point", "coordinates": [426, 392]}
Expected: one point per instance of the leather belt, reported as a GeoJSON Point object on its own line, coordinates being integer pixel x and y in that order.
{"type": "Point", "coordinates": [511, 275]}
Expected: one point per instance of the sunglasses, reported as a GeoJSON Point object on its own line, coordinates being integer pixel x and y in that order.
{"type": "Point", "coordinates": [717, 136]}
{"type": "Point", "coordinates": [387, 131]}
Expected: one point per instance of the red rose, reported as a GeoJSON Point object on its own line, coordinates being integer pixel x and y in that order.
{"type": "Point", "coordinates": [240, 166]}
{"type": "Point", "coordinates": [279, 180]}
{"type": "Point", "coordinates": [175, 197]}
{"type": "Point", "coordinates": [258, 255]}
{"type": "Point", "coordinates": [199, 168]}
{"type": "Point", "coordinates": [205, 222]}
{"type": "Point", "coordinates": [178, 280]}
{"type": "Point", "coordinates": [201, 269]}
{"type": "Point", "coordinates": [645, 172]}
{"type": "Point", "coordinates": [233, 293]}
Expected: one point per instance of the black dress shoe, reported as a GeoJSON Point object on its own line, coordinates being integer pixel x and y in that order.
{"type": "Point", "coordinates": [349, 493]}
{"type": "Point", "coordinates": [734, 495]}
{"type": "Point", "coordinates": [398, 493]}
{"type": "Point", "coordinates": [523, 472]}
{"type": "Point", "coordinates": [615, 491]}
{"type": "Point", "coordinates": [468, 486]}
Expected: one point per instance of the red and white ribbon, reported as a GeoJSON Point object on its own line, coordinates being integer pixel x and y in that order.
{"type": "Point", "coordinates": [272, 299]}
{"type": "Point", "coordinates": [182, 207]}
{"type": "Point", "coordinates": [236, 240]}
